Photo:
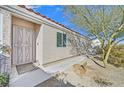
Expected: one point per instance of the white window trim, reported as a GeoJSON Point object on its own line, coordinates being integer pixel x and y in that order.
{"type": "Point", "coordinates": [1, 28]}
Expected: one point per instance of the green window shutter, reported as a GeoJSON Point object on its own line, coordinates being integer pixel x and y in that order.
{"type": "Point", "coordinates": [59, 39]}
{"type": "Point", "coordinates": [64, 40]}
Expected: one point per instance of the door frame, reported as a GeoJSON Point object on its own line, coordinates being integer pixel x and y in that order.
{"type": "Point", "coordinates": [34, 54]}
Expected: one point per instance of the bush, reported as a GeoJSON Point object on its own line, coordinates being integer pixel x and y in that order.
{"type": "Point", "coordinates": [4, 80]}
{"type": "Point", "coordinates": [117, 56]}
{"type": "Point", "coordinates": [102, 82]}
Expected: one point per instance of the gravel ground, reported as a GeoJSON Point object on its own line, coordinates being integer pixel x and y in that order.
{"type": "Point", "coordinates": [92, 76]}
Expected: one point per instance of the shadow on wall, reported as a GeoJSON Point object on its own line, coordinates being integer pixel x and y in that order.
{"type": "Point", "coordinates": [3, 64]}
{"type": "Point", "coordinates": [80, 45]}
{"type": "Point", "coordinates": [5, 52]}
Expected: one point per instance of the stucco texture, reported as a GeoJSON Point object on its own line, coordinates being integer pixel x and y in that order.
{"type": "Point", "coordinates": [7, 34]}
{"type": "Point", "coordinates": [50, 50]}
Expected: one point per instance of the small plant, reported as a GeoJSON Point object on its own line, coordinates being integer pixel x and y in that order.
{"type": "Point", "coordinates": [4, 49]}
{"type": "Point", "coordinates": [102, 82]}
{"type": "Point", "coordinates": [4, 80]}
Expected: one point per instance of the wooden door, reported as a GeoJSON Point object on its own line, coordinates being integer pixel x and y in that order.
{"type": "Point", "coordinates": [23, 45]}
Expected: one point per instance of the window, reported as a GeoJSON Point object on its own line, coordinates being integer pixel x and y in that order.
{"type": "Point", "coordinates": [61, 39]}
{"type": "Point", "coordinates": [64, 40]}
{"type": "Point", "coordinates": [1, 29]}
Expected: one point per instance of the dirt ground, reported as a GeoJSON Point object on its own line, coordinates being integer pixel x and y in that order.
{"type": "Point", "coordinates": [92, 75]}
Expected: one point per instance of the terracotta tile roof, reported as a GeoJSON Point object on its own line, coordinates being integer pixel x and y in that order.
{"type": "Point", "coordinates": [31, 10]}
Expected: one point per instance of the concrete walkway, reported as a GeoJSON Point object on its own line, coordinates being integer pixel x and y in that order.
{"type": "Point", "coordinates": [31, 79]}
{"type": "Point", "coordinates": [63, 64]}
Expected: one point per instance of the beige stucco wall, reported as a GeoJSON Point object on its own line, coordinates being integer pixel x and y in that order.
{"type": "Point", "coordinates": [22, 22]}
{"type": "Point", "coordinates": [50, 50]}
{"type": "Point", "coordinates": [7, 33]}
{"type": "Point", "coordinates": [39, 44]}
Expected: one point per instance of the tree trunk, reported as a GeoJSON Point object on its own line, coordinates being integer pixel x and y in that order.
{"type": "Point", "coordinates": [107, 56]}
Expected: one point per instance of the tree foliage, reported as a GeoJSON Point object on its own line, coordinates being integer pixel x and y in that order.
{"type": "Point", "coordinates": [105, 23]}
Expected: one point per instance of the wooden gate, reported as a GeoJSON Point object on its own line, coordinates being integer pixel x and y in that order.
{"type": "Point", "coordinates": [23, 45]}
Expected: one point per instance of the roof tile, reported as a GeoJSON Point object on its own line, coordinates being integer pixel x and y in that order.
{"type": "Point", "coordinates": [31, 10]}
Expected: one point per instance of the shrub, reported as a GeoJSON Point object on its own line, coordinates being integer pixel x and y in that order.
{"type": "Point", "coordinates": [117, 56]}
{"type": "Point", "coordinates": [4, 80]}
{"type": "Point", "coordinates": [102, 82]}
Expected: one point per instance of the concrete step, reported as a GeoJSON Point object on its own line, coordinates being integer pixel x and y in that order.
{"type": "Point", "coordinates": [31, 79]}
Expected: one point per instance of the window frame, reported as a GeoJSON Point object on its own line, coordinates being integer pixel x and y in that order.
{"type": "Point", "coordinates": [63, 44]}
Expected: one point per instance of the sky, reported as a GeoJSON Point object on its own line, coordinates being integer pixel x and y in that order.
{"type": "Point", "coordinates": [56, 13]}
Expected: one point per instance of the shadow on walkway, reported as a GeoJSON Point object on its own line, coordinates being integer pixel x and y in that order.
{"type": "Point", "coordinates": [53, 82]}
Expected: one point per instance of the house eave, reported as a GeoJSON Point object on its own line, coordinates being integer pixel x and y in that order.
{"type": "Point", "coordinates": [18, 11]}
